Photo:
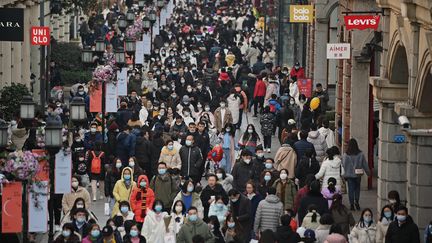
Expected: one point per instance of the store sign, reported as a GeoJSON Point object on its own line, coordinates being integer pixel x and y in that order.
{"type": "Point", "coordinates": [305, 86]}
{"type": "Point", "coordinates": [11, 24]}
{"type": "Point", "coordinates": [338, 50]}
{"type": "Point", "coordinates": [40, 36]}
{"type": "Point", "coordinates": [301, 13]}
{"type": "Point", "coordinates": [362, 22]}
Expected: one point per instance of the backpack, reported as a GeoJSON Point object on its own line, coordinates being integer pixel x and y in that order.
{"type": "Point", "coordinates": [96, 163]}
{"type": "Point", "coordinates": [272, 108]}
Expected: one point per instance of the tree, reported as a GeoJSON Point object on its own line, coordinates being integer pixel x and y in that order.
{"type": "Point", "coordinates": [10, 98]}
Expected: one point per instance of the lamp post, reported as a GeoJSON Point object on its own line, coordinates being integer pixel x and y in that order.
{"type": "Point", "coordinates": [152, 18]}
{"type": "Point", "coordinates": [53, 143]}
{"type": "Point", "coordinates": [77, 109]}
{"type": "Point", "coordinates": [130, 16]}
{"type": "Point", "coordinates": [160, 4]}
{"type": "Point", "coordinates": [122, 23]}
{"type": "Point", "coordinates": [87, 55]}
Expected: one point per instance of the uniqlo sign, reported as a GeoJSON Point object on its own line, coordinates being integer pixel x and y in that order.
{"type": "Point", "coordinates": [338, 50]}
{"type": "Point", "coordinates": [40, 36]}
{"type": "Point", "coordinates": [362, 22]}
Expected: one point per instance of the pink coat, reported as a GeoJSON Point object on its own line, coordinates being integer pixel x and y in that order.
{"type": "Point", "coordinates": [329, 195]}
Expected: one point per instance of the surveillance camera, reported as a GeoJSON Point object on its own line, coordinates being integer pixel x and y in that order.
{"type": "Point", "coordinates": [404, 122]}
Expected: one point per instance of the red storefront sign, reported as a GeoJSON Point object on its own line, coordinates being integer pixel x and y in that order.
{"type": "Point", "coordinates": [305, 86]}
{"type": "Point", "coordinates": [361, 22]}
{"type": "Point", "coordinates": [40, 36]}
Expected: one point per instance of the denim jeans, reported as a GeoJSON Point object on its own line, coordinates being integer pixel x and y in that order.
{"type": "Point", "coordinates": [354, 189]}
{"type": "Point", "coordinates": [227, 157]}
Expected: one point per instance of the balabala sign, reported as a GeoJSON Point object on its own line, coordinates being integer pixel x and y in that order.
{"type": "Point", "coordinates": [301, 13]}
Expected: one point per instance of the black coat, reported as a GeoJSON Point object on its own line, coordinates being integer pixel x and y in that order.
{"type": "Point", "coordinates": [242, 172]}
{"type": "Point", "coordinates": [306, 166]}
{"type": "Point", "coordinates": [111, 178]}
{"type": "Point", "coordinates": [312, 198]}
{"type": "Point", "coordinates": [191, 160]}
{"type": "Point", "coordinates": [242, 211]}
{"type": "Point", "coordinates": [144, 153]}
{"type": "Point", "coordinates": [406, 233]}
{"type": "Point", "coordinates": [207, 192]}
{"type": "Point", "coordinates": [284, 234]}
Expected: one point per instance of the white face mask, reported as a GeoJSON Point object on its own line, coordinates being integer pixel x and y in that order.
{"type": "Point", "coordinates": [178, 209]}
{"type": "Point", "coordinates": [92, 129]}
{"type": "Point", "coordinates": [247, 161]}
{"type": "Point", "coordinates": [131, 164]}
{"type": "Point", "coordinates": [283, 176]}
{"type": "Point", "coordinates": [207, 108]}
{"type": "Point", "coordinates": [250, 130]}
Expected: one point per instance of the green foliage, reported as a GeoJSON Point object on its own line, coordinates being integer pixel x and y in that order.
{"type": "Point", "coordinates": [67, 56]}
{"type": "Point", "coordinates": [10, 98]}
{"type": "Point", "coordinates": [70, 78]}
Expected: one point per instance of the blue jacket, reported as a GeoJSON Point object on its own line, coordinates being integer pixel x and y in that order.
{"type": "Point", "coordinates": [90, 139]}
{"type": "Point", "coordinates": [275, 103]}
{"type": "Point", "coordinates": [301, 147]}
{"type": "Point", "coordinates": [125, 146]}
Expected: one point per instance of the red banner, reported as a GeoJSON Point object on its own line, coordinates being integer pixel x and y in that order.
{"type": "Point", "coordinates": [361, 22]}
{"type": "Point", "coordinates": [305, 86]}
{"type": "Point", "coordinates": [43, 173]}
{"type": "Point", "coordinates": [12, 208]}
{"type": "Point", "coordinates": [96, 99]}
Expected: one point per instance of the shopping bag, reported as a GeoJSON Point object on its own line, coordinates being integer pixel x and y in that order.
{"type": "Point", "coordinates": [107, 209]}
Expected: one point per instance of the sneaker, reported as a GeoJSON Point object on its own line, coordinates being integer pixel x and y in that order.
{"type": "Point", "coordinates": [268, 150]}
{"type": "Point", "coordinates": [94, 199]}
{"type": "Point", "coordinates": [352, 207]}
{"type": "Point", "coordinates": [357, 205]}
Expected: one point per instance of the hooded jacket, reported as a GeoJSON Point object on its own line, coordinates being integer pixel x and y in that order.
{"type": "Point", "coordinates": [18, 137]}
{"type": "Point", "coordinates": [136, 201]}
{"type": "Point", "coordinates": [329, 136]}
{"type": "Point", "coordinates": [121, 192]}
{"type": "Point", "coordinates": [154, 230]}
{"type": "Point", "coordinates": [319, 144]}
{"type": "Point", "coordinates": [68, 199]}
{"type": "Point", "coordinates": [331, 168]}
{"type": "Point", "coordinates": [268, 214]}
{"type": "Point", "coordinates": [365, 234]}
{"type": "Point", "coordinates": [289, 192]}
{"type": "Point", "coordinates": [190, 229]}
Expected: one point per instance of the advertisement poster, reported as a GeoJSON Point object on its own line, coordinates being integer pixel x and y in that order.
{"type": "Point", "coordinates": [63, 172]}
{"type": "Point", "coordinates": [111, 98]}
{"type": "Point", "coordinates": [38, 208]}
{"type": "Point", "coordinates": [122, 82]}
{"type": "Point", "coordinates": [139, 52]}
{"type": "Point", "coordinates": [43, 173]}
{"type": "Point", "coordinates": [146, 43]}
{"type": "Point", "coordinates": [96, 99]}
{"type": "Point", "coordinates": [12, 207]}
{"type": "Point", "coordinates": [305, 86]}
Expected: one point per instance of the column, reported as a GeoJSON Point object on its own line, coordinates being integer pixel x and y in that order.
{"type": "Point", "coordinates": [35, 54]}
{"type": "Point", "coordinates": [320, 55]}
{"type": "Point", "coordinates": [66, 27]}
{"type": "Point", "coordinates": [55, 26]}
{"type": "Point", "coordinates": [61, 33]}
{"type": "Point", "coordinates": [5, 63]}
{"type": "Point", "coordinates": [25, 55]}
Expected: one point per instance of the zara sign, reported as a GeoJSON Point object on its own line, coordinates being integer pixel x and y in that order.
{"type": "Point", "coordinates": [11, 24]}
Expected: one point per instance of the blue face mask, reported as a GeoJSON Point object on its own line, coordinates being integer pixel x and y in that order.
{"type": "Point", "coordinates": [387, 214]}
{"type": "Point", "coordinates": [124, 209]}
{"type": "Point", "coordinates": [66, 233]}
{"type": "Point", "coordinates": [162, 171]}
{"type": "Point", "coordinates": [95, 233]}
{"type": "Point", "coordinates": [367, 219]}
{"type": "Point", "coordinates": [267, 178]}
{"type": "Point", "coordinates": [133, 233]}
{"type": "Point", "coordinates": [127, 177]}
{"type": "Point", "coordinates": [143, 184]}
{"type": "Point", "coordinates": [268, 166]}
{"type": "Point", "coordinates": [231, 225]}
{"type": "Point", "coordinates": [401, 218]}
{"type": "Point", "coordinates": [193, 218]}
{"type": "Point", "coordinates": [81, 220]}
{"type": "Point", "coordinates": [158, 208]}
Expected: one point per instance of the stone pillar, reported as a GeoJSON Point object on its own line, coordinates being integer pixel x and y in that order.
{"type": "Point", "coordinates": [61, 31]}
{"type": "Point", "coordinates": [320, 55]}
{"type": "Point", "coordinates": [66, 27]}
{"type": "Point", "coordinates": [5, 63]}
{"type": "Point", "coordinates": [55, 26]}
{"type": "Point", "coordinates": [35, 54]}
{"type": "Point", "coordinates": [16, 62]}
{"type": "Point", "coordinates": [26, 44]}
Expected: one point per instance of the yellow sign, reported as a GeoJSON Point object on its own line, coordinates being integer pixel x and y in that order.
{"type": "Point", "coordinates": [301, 13]}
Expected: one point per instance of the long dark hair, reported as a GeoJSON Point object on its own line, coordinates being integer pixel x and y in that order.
{"type": "Point", "coordinates": [382, 212]}
{"type": "Point", "coordinates": [313, 209]}
{"type": "Point", "coordinates": [353, 148]}
{"type": "Point", "coordinates": [331, 184]}
{"type": "Point", "coordinates": [361, 221]}
{"type": "Point", "coordinates": [338, 204]}
{"type": "Point", "coordinates": [331, 152]}
{"type": "Point", "coordinates": [247, 136]}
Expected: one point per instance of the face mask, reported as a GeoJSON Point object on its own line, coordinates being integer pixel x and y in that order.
{"type": "Point", "coordinates": [174, 96]}
{"type": "Point", "coordinates": [283, 176]}
{"type": "Point", "coordinates": [250, 130]}
{"type": "Point", "coordinates": [267, 178]}
{"type": "Point", "coordinates": [211, 227]}
{"type": "Point", "coordinates": [164, 86]}
{"type": "Point", "coordinates": [75, 184]}
{"type": "Point", "coordinates": [186, 113]}
{"type": "Point", "coordinates": [162, 171]}
{"type": "Point", "coordinates": [170, 147]}
{"type": "Point", "coordinates": [182, 81]}
{"type": "Point", "coordinates": [81, 220]}
{"type": "Point", "coordinates": [220, 205]}
{"type": "Point", "coordinates": [260, 155]}
{"type": "Point", "coordinates": [392, 201]}
{"type": "Point", "coordinates": [95, 233]}
{"type": "Point", "coordinates": [118, 165]}
{"type": "Point", "coordinates": [178, 209]}
{"type": "Point", "coordinates": [133, 233]}
{"type": "Point", "coordinates": [268, 166]}
{"type": "Point", "coordinates": [219, 175]}
{"type": "Point", "coordinates": [247, 161]}
{"type": "Point", "coordinates": [228, 129]}
{"type": "Point", "coordinates": [81, 92]}
{"type": "Point", "coordinates": [193, 217]}
{"type": "Point", "coordinates": [127, 177]}
{"type": "Point", "coordinates": [142, 184]}
{"type": "Point", "coordinates": [292, 102]}
{"type": "Point", "coordinates": [113, 227]}
{"type": "Point", "coordinates": [222, 105]}
{"type": "Point", "coordinates": [78, 140]}
{"type": "Point", "coordinates": [120, 229]}
{"type": "Point", "coordinates": [188, 143]}
{"type": "Point", "coordinates": [66, 233]}
{"type": "Point", "coordinates": [189, 90]}
{"type": "Point", "coordinates": [401, 218]}
{"type": "Point", "coordinates": [81, 159]}
{"type": "Point", "coordinates": [131, 164]}
{"type": "Point", "coordinates": [231, 225]}
{"type": "Point", "coordinates": [80, 205]}
{"type": "Point", "coordinates": [234, 200]}
{"type": "Point", "coordinates": [158, 208]}
{"type": "Point", "coordinates": [124, 209]}
{"type": "Point", "coordinates": [387, 214]}
{"type": "Point", "coordinates": [190, 188]}
{"type": "Point", "coordinates": [199, 106]}
{"type": "Point", "coordinates": [199, 86]}
{"type": "Point", "coordinates": [93, 130]}
{"type": "Point", "coordinates": [367, 219]}
{"type": "Point", "coordinates": [207, 108]}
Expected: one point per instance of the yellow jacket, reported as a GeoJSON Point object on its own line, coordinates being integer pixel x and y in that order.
{"type": "Point", "coordinates": [230, 59]}
{"type": "Point", "coordinates": [121, 192]}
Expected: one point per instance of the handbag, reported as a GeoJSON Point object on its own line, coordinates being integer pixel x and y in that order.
{"type": "Point", "coordinates": [359, 172]}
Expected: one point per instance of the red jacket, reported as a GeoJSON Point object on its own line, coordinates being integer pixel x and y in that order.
{"type": "Point", "coordinates": [135, 202]}
{"type": "Point", "coordinates": [260, 89]}
{"type": "Point", "coordinates": [300, 194]}
{"type": "Point", "coordinates": [297, 73]}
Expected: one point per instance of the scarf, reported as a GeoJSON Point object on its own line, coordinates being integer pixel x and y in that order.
{"type": "Point", "coordinates": [143, 202]}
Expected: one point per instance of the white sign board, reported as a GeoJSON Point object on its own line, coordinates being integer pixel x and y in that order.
{"type": "Point", "coordinates": [38, 207]}
{"type": "Point", "coordinates": [338, 50]}
{"type": "Point", "coordinates": [63, 172]}
{"type": "Point", "coordinates": [139, 52]}
{"type": "Point", "coordinates": [147, 43]}
{"type": "Point", "coordinates": [122, 82]}
{"type": "Point", "coordinates": [110, 98]}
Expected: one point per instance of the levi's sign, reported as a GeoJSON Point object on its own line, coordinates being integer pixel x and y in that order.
{"type": "Point", "coordinates": [361, 22]}
{"type": "Point", "coordinates": [338, 50]}
{"type": "Point", "coordinates": [301, 13]}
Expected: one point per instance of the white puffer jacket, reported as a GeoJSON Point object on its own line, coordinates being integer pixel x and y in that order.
{"type": "Point", "coordinates": [319, 143]}
{"type": "Point", "coordinates": [331, 168]}
{"type": "Point", "coordinates": [363, 234]}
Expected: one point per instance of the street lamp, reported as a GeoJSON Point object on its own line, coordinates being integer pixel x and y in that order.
{"type": "Point", "coordinates": [122, 23]}
{"type": "Point", "coordinates": [130, 16]}
{"type": "Point", "coordinates": [53, 135]}
{"type": "Point", "coordinates": [130, 46]}
{"type": "Point", "coordinates": [120, 56]}
{"type": "Point", "coordinates": [4, 134]}
{"type": "Point", "coordinates": [141, 4]}
{"type": "Point", "coordinates": [87, 55]}
{"type": "Point", "coordinates": [100, 45]}
{"type": "Point", "coordinates": [77, 109]}
{"type": "Point", "coordinates": [160, 4]}
{"type": "Point", "coordinates": [152, 16]}
{"type": "Point", "coordinates": [146, 24]}
{"type": "Point", "coordinates": [27, 108]}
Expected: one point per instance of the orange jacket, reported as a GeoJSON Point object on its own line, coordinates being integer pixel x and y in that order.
{"type": "Point", "coordinates": [135, 202]}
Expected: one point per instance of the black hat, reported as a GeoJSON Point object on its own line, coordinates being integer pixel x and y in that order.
{"type": "Point", "coordinates": [107, 230]}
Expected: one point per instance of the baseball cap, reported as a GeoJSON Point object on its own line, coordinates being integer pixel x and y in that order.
{"type": "Point", "coordinates": [107, 231]}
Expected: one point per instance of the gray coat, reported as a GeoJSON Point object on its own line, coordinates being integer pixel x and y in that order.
{"type": "Point", "coordinates": [268, 214]}
{"type": "Point", "coordinates": [352, 162]}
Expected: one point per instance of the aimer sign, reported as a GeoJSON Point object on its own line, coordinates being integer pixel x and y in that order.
{"type": "Point", "coordinates": [40, 36]}
{"type": "Point", "coordinates": [338, 50]}
{"type": "Point", "coordinates": [301, 13]}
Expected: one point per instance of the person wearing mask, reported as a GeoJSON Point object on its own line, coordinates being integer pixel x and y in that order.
{"type": "Point", "coordinates": [355, 166]}
{"type": "Point", "coordinates": [341, 215]}
{"type": "Point", "coordinates": [327, 133]}
{"type": "Point", "coordinates": [164, 186]}
{"type": "Point", "coordinates": [226, 180]}
{"type": "Point", "coordinates": [110, 235]}
{"type": "Point", "coordinates": [243, 171]}
{"type": "Point", "coordinates": [233, 103]}
{"type": "Point", "coordinates": [268, 124]}
{"type": "Point", "coordinates": [68, 235]}
{"type": "Point", "coordinates": [96, 160]}
{"type": "Point", "coordinates": [403, 228]}
{"type": "Point", "coordinates": [178, 217]}
{"type": "Point", "coordinates": [113, 173]}
{"type": "Point", "coordinates": [132, 163]}
{"type": "Point", "coordinates": [283, 116]}
{"type": "Point", "coordinates": [215, 227]}
{"type": "Point", "coordinates": [122, 189]}
{"type": "Point", "coordinates": [319, 143]}
{"type": "Point", "coordinates": [79, 203]}
{"type": "Point", "coordinates": [268, 213]}
{"type": "Point", "coordinates": [209, 193]}
{"type": "Point", "coordinates": [80, 222]}
{"type": "Point", "coordinates": [222, 116]}
{"type": "Point", "coordinates": [311, 219]}
{"type": "Point", "coordinates": [125, 145]}
{"type": "Point", "coordinates": [284, 232]}
{"type": "Point", "coordinates": [297, 72]}
{"type": "Point", "coordinates": [197, 226]}
{"type": "Point", "coordinates": [190, 197]}
{"type": "Point", "coordinates": [218, 208]}
{"type": "Point", "coordinates": [308, 165]}
{"type": "Point", "coordinates": [141, 199]}
{"type": "Point", "coordinates": [228, 145]}
{"type": "Point", "coordinates": [125, 211]}
{"type": "Point", "coordinates": [323, 96]}
{"type": "Point", "coordinates": [365, 229]}
{"type": "Point", "coordinates": [323, 229]}
{"type": "Point", "coordinates": [132, 233]}
{"type": "Point", "coordinates": [192, 161]}
{"type": "Point", "coordinates": [267, 179]}
{"type": "Point", "coordinates": [314, 197]}
{"type": "Point", "coordinates": [260, 160]}
{"type": "Point", "coordinates": [240, 207]}
{"type": "Point", "coordinates": [331, 168]}
{"type": "Point", "coordinates": [170, 156]}
{"type": "Point", "coordinates": [250, 139]}
{"type": "Point", "coordinates": [154, 228]}
{"type": "Point", "coordinates": [233, 230]}
{"type": "Point", "coordinates": [285, 189]}
{"type": "Point", "coordinates": [259, 94]}
{"type": "Point", "coordinates": [303, 145]}
{"type": "Point", "coordinates": [77, 191]}
{"type": "Point", "coordinates": [286, 158]}
{"type": "Point", "coordinates": [91, 137]}
{"type": "Point", "coordinates": [202, 138]}
{"type": "Point", "coordinates": [394, 200]}
{"type": "Point", "coordinates": [53, 117]}
{"type": "Point", "coordinates": [387, 216]}
{"type": "Point", "coordinates": [94, 235]}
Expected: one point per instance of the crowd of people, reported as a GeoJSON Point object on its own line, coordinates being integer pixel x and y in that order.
{"type": "Point", "coordinates": [181, 161]}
